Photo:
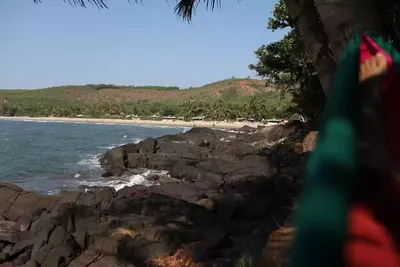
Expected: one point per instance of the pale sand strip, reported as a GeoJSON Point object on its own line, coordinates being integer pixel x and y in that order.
{"type": "Point", "coordinates": [176, 123]}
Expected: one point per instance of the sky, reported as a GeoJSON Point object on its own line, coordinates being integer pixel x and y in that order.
{"type": "Point", "coordinates": [54, 43]}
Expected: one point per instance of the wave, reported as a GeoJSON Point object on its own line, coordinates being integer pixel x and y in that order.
{"type": "Point", "coordinates": [137, 140]}
{"type": "Point", "coordinates": [30, 120]}
{"type": "Point", "coordinates": [127, 180]}
{"type": "Point", "coordinates": [134, 140]}
{"type": "Point", "coordinates": [90, 161]}
{"type": "Point", "coordinates": [229, 130]}
{"type": "Point", "coordinates": [185, 129]}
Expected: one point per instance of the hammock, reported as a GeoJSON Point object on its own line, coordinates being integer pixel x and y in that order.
{"type": "Point", "coordinates": [332, 171]}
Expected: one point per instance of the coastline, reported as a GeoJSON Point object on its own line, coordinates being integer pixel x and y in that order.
{"type": "Point", "coordinates": [175, 123]}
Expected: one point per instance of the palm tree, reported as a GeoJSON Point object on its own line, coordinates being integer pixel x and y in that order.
{"type": "Point", "coordinates": [306, 16]}
{"type": "Point", "coordinates": [343, 19]}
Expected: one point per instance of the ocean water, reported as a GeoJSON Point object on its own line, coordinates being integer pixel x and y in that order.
{"type": "Point", "coordinates": [47, 157]}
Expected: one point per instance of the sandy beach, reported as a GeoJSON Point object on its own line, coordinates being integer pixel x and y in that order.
{"type": "Point", "coordinates": [178, 123]}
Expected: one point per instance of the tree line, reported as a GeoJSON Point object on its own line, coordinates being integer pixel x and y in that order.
{"type": "Point", "coordinates": [259, 106]}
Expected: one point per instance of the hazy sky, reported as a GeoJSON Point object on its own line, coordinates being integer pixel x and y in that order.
{"type": "Point", "coordinates": [56, 44]}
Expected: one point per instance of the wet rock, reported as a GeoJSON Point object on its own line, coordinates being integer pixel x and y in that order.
{"type": "Point", "coordinates": [154, 177]}
{"type": "Point", "coordinates": [113, 161]}
{"type": "Point", "coordinates": [136, 160]}
{"type": "Point", "coordinates": [104, 193]}
{"type": "Point", "coordinates": [248, 129]}
{"type": "Point", "coordinates": [148, 146]}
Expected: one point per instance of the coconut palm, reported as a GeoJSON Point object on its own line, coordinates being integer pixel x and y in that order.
{"type": "Point", "coordinates": [306, 17]}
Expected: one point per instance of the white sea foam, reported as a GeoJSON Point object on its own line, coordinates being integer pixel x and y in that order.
{"type": "Point", "coordinates": [137, 140]}
{"type": "Point", "coordinates": [90, 160]}
{"type": "Point", "coordinates": [127, 180]}
{"type": "Point", "coordinates": [185, 129]}
{"type": "Point", "coordinates": [53, 192]}
{"type": "Point", "coordinates": [107, 147]}
{"type": "Point", "coordinates": [229, 130]}
{"type": "Point", "coordinates": [134, 140]}
{"type": "Point", "coordinates": [32, 120]}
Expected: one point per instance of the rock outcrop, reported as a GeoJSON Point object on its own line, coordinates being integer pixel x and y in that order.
{"type": "Point", "coordinates": [226, 193]}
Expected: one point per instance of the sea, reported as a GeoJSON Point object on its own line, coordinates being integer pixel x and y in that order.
{"type": "Point", "coordinates": [47, 157]}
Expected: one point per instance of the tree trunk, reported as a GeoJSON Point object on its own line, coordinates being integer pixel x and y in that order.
{"type": "Point", "coordinates": [341, 20]}
{"type": "Point", "coordinates": [306, 16]}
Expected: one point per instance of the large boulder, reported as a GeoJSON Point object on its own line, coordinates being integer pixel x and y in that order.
{"type": "Point", "coordinates": [114, 161]}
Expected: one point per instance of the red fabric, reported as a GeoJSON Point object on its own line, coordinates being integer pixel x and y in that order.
{"type": "Point", "coordinates": [375, 224]}
{"type": "Point", "coordinates": [391, 97]}
{"type": "Point", "coordinates": [369, 244]}
{"type": "Point", "coordinates": [368, 48]}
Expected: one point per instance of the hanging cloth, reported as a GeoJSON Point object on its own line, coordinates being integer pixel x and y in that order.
{"type": "Point", "coordinates": [332, 172]}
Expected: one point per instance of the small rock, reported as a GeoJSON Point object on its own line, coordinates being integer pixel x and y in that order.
{"type": "Point", "coordinates": [207, 203]}
{"type": "Point", "coordinates": [153, 177]}
{"type": "Point", "coordinates": [310, 141]}
{"type": "Point", "coordinates": [202, 143]}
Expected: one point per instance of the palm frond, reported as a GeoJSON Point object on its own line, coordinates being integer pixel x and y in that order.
{"type": "Point", "coordinates": [185, 8]}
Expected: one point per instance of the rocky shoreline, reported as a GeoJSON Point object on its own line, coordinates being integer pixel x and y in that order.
{"type": "Point", "coordinates": [226, 192]}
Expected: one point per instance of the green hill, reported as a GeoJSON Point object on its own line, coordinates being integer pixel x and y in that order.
{"type": "Point", "coordinates": [227, 99]}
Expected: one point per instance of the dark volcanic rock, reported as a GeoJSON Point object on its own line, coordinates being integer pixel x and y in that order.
{"type": "Point", "coordinates": [223, 198]}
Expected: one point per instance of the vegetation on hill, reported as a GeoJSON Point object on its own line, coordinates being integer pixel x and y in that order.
{"type": "Point", "coordinates": [224, 100]}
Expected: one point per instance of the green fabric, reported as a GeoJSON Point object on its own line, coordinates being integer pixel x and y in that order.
{"type": "Point", "coordinates": [331, 172]}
